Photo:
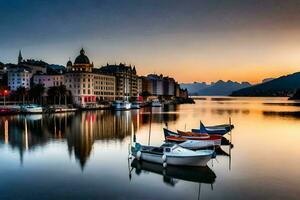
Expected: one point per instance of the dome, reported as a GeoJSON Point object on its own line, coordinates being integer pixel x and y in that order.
{"type": "Point", "coordinates": [82, 58]}
{"type": "Point", "coordinates": [69, 63]}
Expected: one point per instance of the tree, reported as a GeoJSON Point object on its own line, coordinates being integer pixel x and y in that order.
{"type": "Point", "coordinates": [36, 92]}
{"type": "Point", "coordinates": [53, 92]}
{"type": "Point", "coordinates": [296, 96]}
{"type": "Point", "coordinates": [21, 92]}
{"type": "Point", "coordinates": [62, 92]}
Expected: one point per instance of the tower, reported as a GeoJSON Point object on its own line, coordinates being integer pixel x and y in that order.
{"type": "Point", "coordinates": [20, 58]}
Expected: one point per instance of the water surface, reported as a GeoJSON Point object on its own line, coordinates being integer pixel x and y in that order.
{"type": "Point", "coordinates": [85, 155]}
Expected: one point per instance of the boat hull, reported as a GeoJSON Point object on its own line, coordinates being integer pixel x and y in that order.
{"type": "Point", "coordinates": [197, 160]}
{"type": "Point", "coordinates": [197, 144]}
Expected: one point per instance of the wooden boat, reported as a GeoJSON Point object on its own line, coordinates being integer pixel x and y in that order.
{"type": "Point", "coordinates": [219, 129]}
{"type": "Point", "coordinates": [176, 137]}
{"type": "Point", "coordinates": [191, 134]}
{"type": "Point", "coordinates": [192, 174]}
{"type": "Point", "coordinates": [172, 154]}
{"type": "Point", "coordinates": [215, 138]}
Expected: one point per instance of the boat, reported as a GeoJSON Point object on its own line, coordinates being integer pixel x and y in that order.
{"type": "Point", "coordinates": [31, 109]}
{"type": "Point", "coordinates": [176, 137]}
{"type": "Point", "coordinates": [197, 144]}
{"type": "Point", "coordinates": [219, 129]}
{"type": "Point", "coordinates": [121, 105]}
{"type": "Point", "coordinates": [135, 105]}
{"type": "Point", "coordinates": [156, 103]}
{"type": "Point", "coordinates": [8, 111]}
{"type": "Point", "coordinates": [191, 134]}
{"type": "Point", "coordinates": [171, 173]}
{"type": "Point", "coordinates": [172, 154]}
{"type": "Point", "coordinates": [215, 138]}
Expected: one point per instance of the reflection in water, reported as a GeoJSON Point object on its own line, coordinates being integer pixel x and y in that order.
{"type": "Point", "coordinates": [80, 130]}
{"type": "Point", "coordinates": [98, 143]}
{"type": "Point", "coordinates": [284, 114]}
{"type": "Point", "coordinates": [172, 174]}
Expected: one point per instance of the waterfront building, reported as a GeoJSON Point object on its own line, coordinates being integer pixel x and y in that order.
{"type": "Point", "coordinates": [86, 84]}
{"type": "Point", "coordinates": [49, 80]}
{"type": "Point", "coordinates": [157, 84]}
{"type": "Point", "coordinates": [126, 80]}
{"type": "Point", "coordinates": [147, 85]}
{"type": "Point", "coordinates": [18, 76]}
{"type": "Point", "coordinates": [139, 85]}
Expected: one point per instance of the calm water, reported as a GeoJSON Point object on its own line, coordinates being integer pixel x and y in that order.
{"type": "Point", "coordinates": [85, 155]}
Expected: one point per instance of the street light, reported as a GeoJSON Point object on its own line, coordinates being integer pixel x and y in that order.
{"type": "Point", "coordinates": [5, 92]}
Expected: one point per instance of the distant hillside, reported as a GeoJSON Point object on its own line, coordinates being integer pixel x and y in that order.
{"type": "Point", "coordinates": [220, 88]}
{"type": "Point", "coordinates": [193, 88]}
{"type": "Point", "coordinates": [282, 86]}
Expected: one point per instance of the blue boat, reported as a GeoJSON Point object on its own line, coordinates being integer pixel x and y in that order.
{"type": "Point", "coordinates": [167, 132]}
{"type": "Point", "coordinates": [219, 129]}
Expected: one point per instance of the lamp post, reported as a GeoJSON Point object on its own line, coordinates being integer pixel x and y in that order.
{"type": "Point", "coordinates": [4, 95]}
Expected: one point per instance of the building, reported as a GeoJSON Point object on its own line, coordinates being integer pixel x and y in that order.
{"type": "Point", "coordinates": [86, 84]}
{"type": "Point", "coordinates": [49, 80]}
{"type": "Point", "coordinates": [157, 84]}
{"type": "Point", "coordinates": [126, 80]}
{"type": "Point", "coordinates": [139, 85]}
{"type": "Point", "coordinates": [36, 66]}
{"type": "Point", "coordinates": [18, 76]}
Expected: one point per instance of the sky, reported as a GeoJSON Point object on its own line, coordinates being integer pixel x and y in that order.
{"type": "Point", "coordinates": [190, 40]}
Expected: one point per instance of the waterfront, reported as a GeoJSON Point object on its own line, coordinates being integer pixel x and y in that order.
{"type": "Point", "coordinates": [84, 155]}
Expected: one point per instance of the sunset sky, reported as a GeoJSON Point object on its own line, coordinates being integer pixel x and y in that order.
{"type": "Point", "coordinates": [200, 40]}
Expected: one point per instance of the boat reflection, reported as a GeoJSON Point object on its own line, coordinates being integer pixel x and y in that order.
{"type": "Point", "coordinates": [172, 174]}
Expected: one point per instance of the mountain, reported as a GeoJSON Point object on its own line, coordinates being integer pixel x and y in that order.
{"type": "Point", "coordinates": [219, 88]}
{"type": "Point", "coordinates": [193, 88]}
{"type": "Point", "coordinates": [267, 80]}
{"type": "Point", "coordinates": [282, 86]}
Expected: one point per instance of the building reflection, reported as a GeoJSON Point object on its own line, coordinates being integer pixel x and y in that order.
{"type": "Point", "coordinates": [79, 130]}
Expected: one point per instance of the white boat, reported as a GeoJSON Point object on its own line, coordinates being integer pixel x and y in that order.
{"type": "Point", "coordinates": [135, 105]}
{"type": "Point", "coordinates": [121, 105]}
{"type": "Point", "coordinates": [197, 144]}
{"type": "Point", "coordinates": [155, 103]}
{"type": "Point", "coordinates": [172, 154]}
{"type": "Point", "coordinates": [32, 108]}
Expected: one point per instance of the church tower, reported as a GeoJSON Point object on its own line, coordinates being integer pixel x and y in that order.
{"type": "Point", "coordinates": [20, 58]}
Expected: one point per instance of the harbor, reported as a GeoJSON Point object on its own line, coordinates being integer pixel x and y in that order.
{"type": "Point", "coordinates": [89, 150]}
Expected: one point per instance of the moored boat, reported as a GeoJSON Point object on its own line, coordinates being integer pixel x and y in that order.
{"type": "Point", "coordinates": [219, 129]}
{"type": "Point", "coordinates": [31, 109]}
{"type": "Point", "coordinates": [156, 103]}
{"type": "Point", "coordinates": [215, 138]}
{"type": "Point", "coordinates": [176, 137]}
{"type": "Point", "coordinates": [197, 144]}
{"type": "Point", "coordinates": [135, 105]}
{"type": "Point", "coordinates": [121, 105]}
{"type": "Point", "coordinates": [172, 154]}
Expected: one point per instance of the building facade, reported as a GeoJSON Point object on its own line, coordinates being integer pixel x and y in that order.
{"type": "Point", "coordinates": [87, 85]}
{"type": "Point", "coordinates": [126, 80]}
{"type": "Point", "coordinates": [19, 76]}
{"type": "Point", "coordinates": [49, 80]}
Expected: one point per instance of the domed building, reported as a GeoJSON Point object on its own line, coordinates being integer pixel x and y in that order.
{"type": "Point", "coordinates": [82, 63]}
{"type": "Point", "coordinates": [87, 85]}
